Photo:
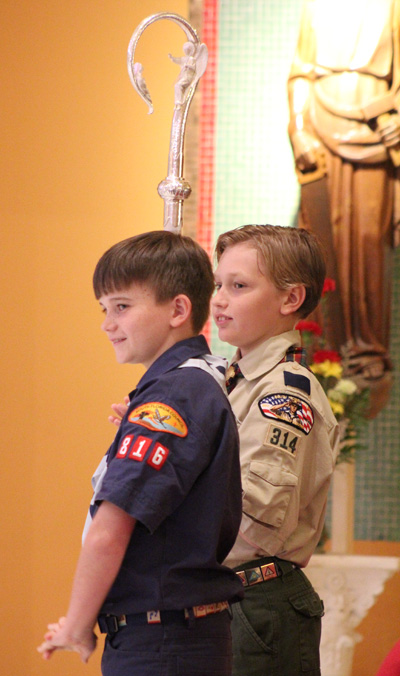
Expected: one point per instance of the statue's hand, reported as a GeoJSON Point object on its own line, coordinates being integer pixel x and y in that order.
{"type": "Point", "coordinates": [305, 147]}
{"type": "Point", "coordinates": [389, 129]}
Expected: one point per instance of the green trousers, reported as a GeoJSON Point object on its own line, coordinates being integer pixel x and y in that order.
{"type": "Point", "coordinates": [276, 628]}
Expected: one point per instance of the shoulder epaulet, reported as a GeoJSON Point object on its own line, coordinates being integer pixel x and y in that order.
{"type": "Point", "coordinates": [296, 354]}
{"type": "Point", "coordinates": [301, 382]}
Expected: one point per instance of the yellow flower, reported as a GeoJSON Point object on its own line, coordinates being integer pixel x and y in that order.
{"type": "Point", "coordinates": [327, 369]}
{"type": "Point", "coordinates": [337, 408]}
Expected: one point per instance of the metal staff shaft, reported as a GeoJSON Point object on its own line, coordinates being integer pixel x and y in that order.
{"type": "Point", "coordinates": [174, 189]}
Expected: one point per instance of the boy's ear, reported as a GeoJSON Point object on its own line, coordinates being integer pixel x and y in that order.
{"type": "Point", "coordinates": [293, 299]}
{"type": "Point", "coordinates": [181, 310]}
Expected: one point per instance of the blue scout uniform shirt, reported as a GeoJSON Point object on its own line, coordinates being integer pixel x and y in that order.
{"type": "Point", "coordinates": [174, 466]}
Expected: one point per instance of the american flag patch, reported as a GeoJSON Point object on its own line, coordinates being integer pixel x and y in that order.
{"type": "Point", "coordinates": [289, 409]}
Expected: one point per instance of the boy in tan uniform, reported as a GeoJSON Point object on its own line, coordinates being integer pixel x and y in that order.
{"type": "Point", "coordinates": [267, 278]}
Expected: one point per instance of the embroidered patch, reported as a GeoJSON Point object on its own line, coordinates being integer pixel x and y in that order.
{"type": "Point", "coordinates": [297, 380]}
{"type": "Point", "coordinates": [289, 409]}
{"type": "Point", "coordinates": [124, 446]}
{"type": "Point", "coordinates": [139, 448]}
{"type": "Point", "coordinates": [282, 438]}
{"type": "Point", "coordinates": [157, 416]}
{"type": "Point", "coordinates": [158, 456]}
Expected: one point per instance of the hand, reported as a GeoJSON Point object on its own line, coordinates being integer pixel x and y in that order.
{"type": "Point", "coordinates": [119, 410]}
{"type": "Point", "coordinates": [59, 638]}
{"type": "Point", "coordinates": [53, 628]}
{"type": "Point", "coordinates": [389, 129]}
{"type": "Point", "coordinates": [305, 146]}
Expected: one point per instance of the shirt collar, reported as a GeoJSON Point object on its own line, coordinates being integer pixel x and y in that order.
{"type": "Point", "coordinates": [174, 356]}
{"type": "Point", "coordinates": [267, 355]}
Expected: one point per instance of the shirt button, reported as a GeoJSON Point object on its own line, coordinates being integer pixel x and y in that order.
{"type": "Point", "coordinates": [296, 366]}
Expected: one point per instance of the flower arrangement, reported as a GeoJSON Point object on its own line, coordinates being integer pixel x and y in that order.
{"type": "Point", "coordinates": [348, 401]}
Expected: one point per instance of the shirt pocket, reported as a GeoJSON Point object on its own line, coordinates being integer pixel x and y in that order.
{"type": "Point", "coordinates": [267, 492]}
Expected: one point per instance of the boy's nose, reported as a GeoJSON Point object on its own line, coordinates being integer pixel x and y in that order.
{"type": "Point", "coordinates": [108, 323]}
{"type": "Point", "coordinates": [218, 298]}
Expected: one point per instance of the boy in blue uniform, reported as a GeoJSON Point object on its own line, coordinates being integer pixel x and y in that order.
{"type": "Point", "coordinates": [167, 502]}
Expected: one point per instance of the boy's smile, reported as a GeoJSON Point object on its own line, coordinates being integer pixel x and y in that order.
{"type": "Point", "coordinates": [137, 326]}
{"type": "Point", "coordinates": [247, 305]}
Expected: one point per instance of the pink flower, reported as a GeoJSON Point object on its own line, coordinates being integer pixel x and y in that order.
{"type": "Point", "coordinates": [320, 356]}
{"type": "Point", "coordinates": [311, 327]}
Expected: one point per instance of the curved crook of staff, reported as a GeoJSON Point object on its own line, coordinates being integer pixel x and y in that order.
{"type": "Point", "coordinates": [173, 189]}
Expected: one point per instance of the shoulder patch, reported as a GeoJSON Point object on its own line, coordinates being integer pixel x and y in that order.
{"type": "Point", "coordinates": [297, 380]}
{"type": "Point", "coordinates": [160, 417]}
{"type": "Point", "coordinates": [289, 409]}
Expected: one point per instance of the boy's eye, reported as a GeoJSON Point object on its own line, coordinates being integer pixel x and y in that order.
{"type": "Point", "coordinates": [217, 286]}
{"type": "Point", "coordinates": [238, 285]}
{"type": "Point", "coordinates": [121, 307]}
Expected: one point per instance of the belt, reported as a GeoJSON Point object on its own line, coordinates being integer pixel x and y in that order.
{"type": "Point", "coordinates": [110, 624]}
{"type": "Point", "coordinates": [262, 570]}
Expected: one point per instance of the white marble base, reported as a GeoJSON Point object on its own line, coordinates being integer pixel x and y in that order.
{"type": "Point", "coordinates": [348, 586]}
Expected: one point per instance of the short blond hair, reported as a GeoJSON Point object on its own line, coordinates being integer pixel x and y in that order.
{"type": "Point", "coordinates": [287, 256]}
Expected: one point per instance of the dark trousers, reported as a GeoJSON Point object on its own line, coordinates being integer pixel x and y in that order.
{"type": "Point", "coordinates": [276, 628]}
{"type": "Point", "coordinates": [200, 648]}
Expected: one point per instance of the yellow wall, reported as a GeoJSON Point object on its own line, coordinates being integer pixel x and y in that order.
{"type": "Point", "coordinates": [80, 161]}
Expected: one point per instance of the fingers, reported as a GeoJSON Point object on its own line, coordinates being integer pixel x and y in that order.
{"type": "Point", "coordinates": [46, 649]}
{"type": "Point", "coordinates": [114, 421]}
{"type": "Point", "coordinates": [389, 128]}
{"type": "Point", "coordinates": [84, 650]}
{"type": "Point", "coordinates": [119, 411]}
{"type": "Point", "coordinates": [58, 638]}
{"type": "Point", "coordinates": [55, 626]}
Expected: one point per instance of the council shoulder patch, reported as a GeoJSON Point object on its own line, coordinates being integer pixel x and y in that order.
{"type": "Point", "coordinates": [160, 417]}
{"type": "Point", "coordinates": [288, 408]}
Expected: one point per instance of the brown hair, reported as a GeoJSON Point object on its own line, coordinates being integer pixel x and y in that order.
{"type": "Point", "coordinates": [169, 264]}
{"type": "Point", "coordinates": [288, 256]}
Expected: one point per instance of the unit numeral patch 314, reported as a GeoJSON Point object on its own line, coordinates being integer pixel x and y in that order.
{"type": "Point", "coordinates": [282, 438]}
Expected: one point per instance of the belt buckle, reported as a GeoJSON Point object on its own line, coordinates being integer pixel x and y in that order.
{"type": "Point", "coordinates": [108, 624]}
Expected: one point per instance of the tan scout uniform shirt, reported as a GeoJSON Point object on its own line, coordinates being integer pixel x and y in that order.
{"type": "Point", "coordinates": [288, 449]}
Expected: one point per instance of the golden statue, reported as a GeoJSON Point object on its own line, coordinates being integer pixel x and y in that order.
{"type": "Point", "coordinates": [344, 96]}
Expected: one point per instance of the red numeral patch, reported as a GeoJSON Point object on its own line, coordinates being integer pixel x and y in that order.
{"type": "Point", "coordinates": [158, 456]}
{"type": "Point", "coordinates": [139, 448]}
{"type": "Point", "coordinates": [124, 447]}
